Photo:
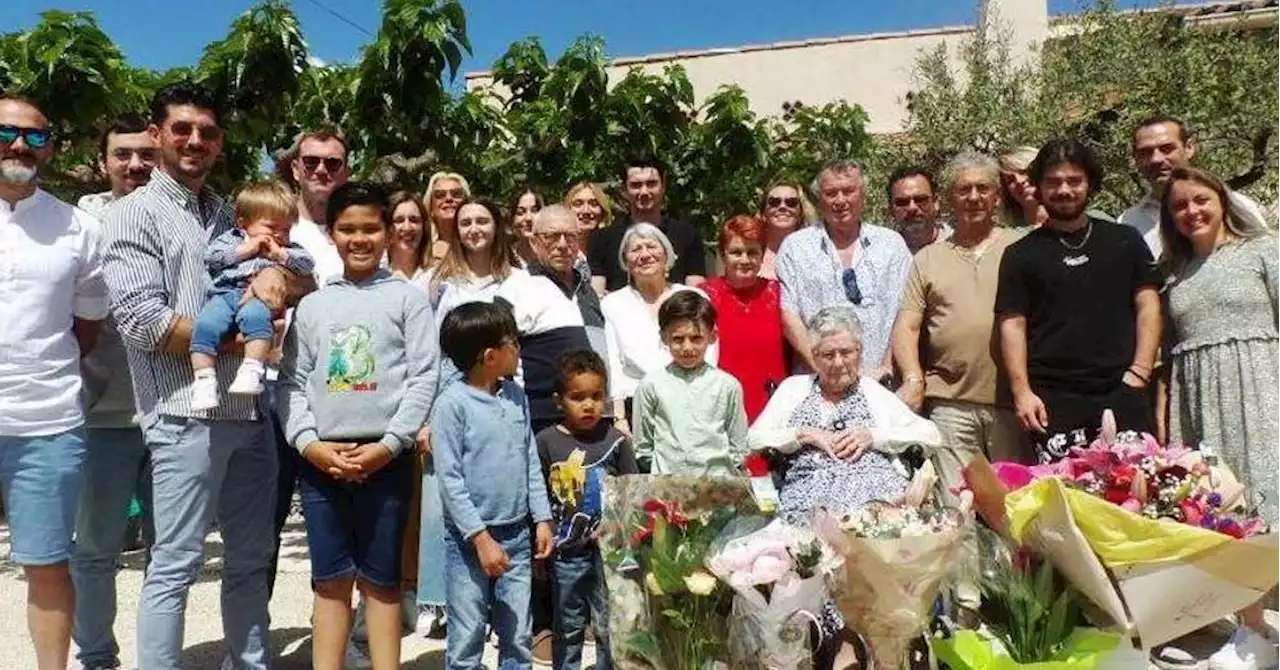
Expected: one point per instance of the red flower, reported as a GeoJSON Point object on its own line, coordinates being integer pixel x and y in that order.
{"type": "Point", "coordinates": [1192, 511]}
{"type": "Point", "coordinates": [655, 508]}
{"type": "Point", "coordinates": [756, 464]}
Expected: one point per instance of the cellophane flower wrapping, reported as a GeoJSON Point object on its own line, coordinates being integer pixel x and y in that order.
{"type": "Point", "coordinates": [666, 610]}
{"type": "Point", "coordinates": [895, 561]}
{"type": "Point", "coordinates": [778, 574]}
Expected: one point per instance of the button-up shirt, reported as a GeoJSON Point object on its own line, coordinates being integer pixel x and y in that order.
{"type": "Point", "coordinates": [50, 275]}
{"type": "Point", "coordinates": [811, 273]}
{"type": "Point", "coordinates": [691, 422]}
{"type": "Point", "coordinates": [156, 241]}
{"type": "Point", "coordinates": [1144, 216]}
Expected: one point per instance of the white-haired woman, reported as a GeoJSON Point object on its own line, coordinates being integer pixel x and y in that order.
{"type": "Point", "coordinates": [631, 315]}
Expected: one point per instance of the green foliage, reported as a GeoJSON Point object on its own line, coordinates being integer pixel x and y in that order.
{"type": "Point", "coordinates": [1028, 606]}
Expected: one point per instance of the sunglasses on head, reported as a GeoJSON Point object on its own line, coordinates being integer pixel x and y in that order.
{"type": "Point", "coordinates": [331, 164]}
{"type": "Point", "coordinates": [207, 133]}
{"type": "Point", "coordinates": [851, 290]}
{"type": "Point", "coordinates": [774, 201]}
{"type": "Point", "coordinates": [36, 138]}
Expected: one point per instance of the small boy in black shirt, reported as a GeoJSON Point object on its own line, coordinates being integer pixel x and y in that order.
{"type": "Point", "coordinates": [576, 455]}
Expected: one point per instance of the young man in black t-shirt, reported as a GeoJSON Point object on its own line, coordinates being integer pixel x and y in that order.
{"type": "Point", "coordinates": [1078, 312]}
{"type": "Point", "coordinates": [643, 184]}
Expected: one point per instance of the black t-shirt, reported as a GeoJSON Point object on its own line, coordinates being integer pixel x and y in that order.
{"type": "Point", "coordinates": [574, 467]}
{"type": "Point", "coordinates": [602, 252]}
{"type": "Point", "coordinates": [1081, 321]}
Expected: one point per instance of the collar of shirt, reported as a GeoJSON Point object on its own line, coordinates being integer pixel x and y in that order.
{"type": "Point", "coordinates": [686, 374]}
{"type": "Point", "coordinates": [26, 205]}
{"type": "Point", "coordinates": [204, 205]}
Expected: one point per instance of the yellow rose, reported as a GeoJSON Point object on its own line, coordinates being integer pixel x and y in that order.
{"type": "Point", "coordinates": [700, 583]}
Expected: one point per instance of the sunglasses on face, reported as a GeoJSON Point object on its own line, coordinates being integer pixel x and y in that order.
{"type": "Point", "coordinates": [331, 164]}
{"type": "Point", "coordinates": [36, 138]}
{"type": "Point", "coordinates": [207, 133]}
{"type": "Point", "coordinates": [851, 290]}
{"type": "Point", "coordinates": [774, 201]}
{"type": "Point", "coordinates": [454, 193]}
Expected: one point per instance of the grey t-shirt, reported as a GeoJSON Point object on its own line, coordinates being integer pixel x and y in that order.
{"type": "Point", "coordinates": [575, 466]}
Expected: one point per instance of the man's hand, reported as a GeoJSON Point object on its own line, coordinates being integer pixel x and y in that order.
{"type": "Point", "coordinates": [332, 458]}
{"type": "Point", "coordinates": [1032, 414]}
{"type": "Point", "coordinates": [544, 541]}
{"type": "Point", "coordinates": [370, 458]}
{"type": "Point", "coordinates": [271, 286]}
{"type": "Point", "coordinates": [849, 445]}
{"type": "Point", "coordinates": [423, 442]}
{"type": "Point", "coordinates": [912, 393]}
{"type": "Point", "coordinates": [493, 560]}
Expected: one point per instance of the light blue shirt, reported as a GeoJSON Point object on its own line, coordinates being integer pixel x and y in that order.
{"type": "Point", "coordinates": [810, 271]}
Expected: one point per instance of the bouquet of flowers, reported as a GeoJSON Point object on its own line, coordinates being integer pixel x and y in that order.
{"type": "Point", "coordinates": [777, 573]}
{"type": "Point", "coordinates": [896, 557]}
{"type": "Point", "coordinates": [667, 611]}
{"type": "Point", "coordinates": [1148, 534]}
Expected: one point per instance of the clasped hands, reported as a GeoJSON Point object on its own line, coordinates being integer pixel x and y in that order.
{"type": "Point", "coordinates": [846, 445]}
{"type": "Point", "coordinates": [348, 461]}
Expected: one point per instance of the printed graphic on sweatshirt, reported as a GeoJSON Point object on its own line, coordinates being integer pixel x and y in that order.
{"type": "Point", "coordinates": [577, 497]}
{"type": "Point", "coordinates": [351, 361]}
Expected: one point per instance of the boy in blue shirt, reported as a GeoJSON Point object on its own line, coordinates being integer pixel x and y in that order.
{"type": "Point", "coordinates": [491, 484]}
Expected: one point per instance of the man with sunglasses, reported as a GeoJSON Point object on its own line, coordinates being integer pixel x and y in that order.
{"type": "Point", "coordinates": [116, 464]}
{"type": "Point", "coordinates": [52, 303]}
{"type": "Point", "coordinates": [913, 208]}
{"type": "Point", "coordinates": [317, 170]}
{"type": "Point", "coordinates": [206, 465]}
{"type": "Point", "coordinates": [844, 261]}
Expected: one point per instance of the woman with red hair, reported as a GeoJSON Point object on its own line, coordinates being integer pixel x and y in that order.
{"type": "Point", "coordinates": [749, 314]}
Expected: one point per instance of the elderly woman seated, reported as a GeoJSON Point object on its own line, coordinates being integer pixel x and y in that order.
{"type": "Point", "coordinates": [842, 431]}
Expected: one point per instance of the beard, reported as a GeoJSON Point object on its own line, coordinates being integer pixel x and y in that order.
{"type": "Point", "coordinates": [1065, 211]}
{"type": "Point", "coordinates": [14, 171]}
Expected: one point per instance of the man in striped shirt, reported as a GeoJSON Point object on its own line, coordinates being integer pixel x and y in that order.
{"type": "Point", "coordinates": [219, 464]}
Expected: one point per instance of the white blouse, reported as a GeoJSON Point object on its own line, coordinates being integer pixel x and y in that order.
{"type": "Point", "coordinates": [634, 341]}
{"type": "Point", "coordinates": [895, 427]}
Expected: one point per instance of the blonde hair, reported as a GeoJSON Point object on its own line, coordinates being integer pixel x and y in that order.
{"type": "Point", "coordinates": [808, 214]}
{"type": "Point", "coordinates": [270, 199]}
{"type": "Point", "coordinates": [606, 205]}
{"type": "Point", "coordinates": [427, 197]}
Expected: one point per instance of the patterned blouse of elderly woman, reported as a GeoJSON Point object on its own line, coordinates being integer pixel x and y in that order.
{"type": "Point", "coordinates": [841, 430]}
{"type": "Point", "coordinates": [631, 313]}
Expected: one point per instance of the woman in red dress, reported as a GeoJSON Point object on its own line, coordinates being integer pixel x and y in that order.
{"type": "Point", "coordinates": [749, 314]}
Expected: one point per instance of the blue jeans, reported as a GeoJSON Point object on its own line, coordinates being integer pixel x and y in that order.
{"type": "Point", "coordinates": [475, 600]}
{"type": "Point", "coordinates": [202, 470]}
{"type": "Point", "coordinates": [220, 312]}
{"type": "Point", "coordinates": [578, 585]}
{"type": "Point", "coordinates": [431, 543]}
{"type": "Point", "coordinates": [115, 470]}
{"type": "Point", "coordinates": [40, 478]}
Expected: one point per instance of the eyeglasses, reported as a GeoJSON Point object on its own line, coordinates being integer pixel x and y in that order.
{"type": "Point", "coordinates": [851, 290]}
{"type": "Point", "coordinates": [36, 138]}
{"type": "Point", "coordinates": [207, 133]}
{"type": "Point", "coordinates": [331, 164]}
{"type": "Point", "coordinates": [774, 201]}
{"type": "Point", "coordinates": [553, 237]}
{"type": "Point", "coordinates": [454, 193]}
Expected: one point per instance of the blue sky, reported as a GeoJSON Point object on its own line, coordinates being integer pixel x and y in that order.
{"type": "Point", "coordinates": [165, 33]}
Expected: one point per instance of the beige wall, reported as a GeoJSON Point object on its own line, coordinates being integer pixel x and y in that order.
{"type": "Point", "coordinates": [874, 71]}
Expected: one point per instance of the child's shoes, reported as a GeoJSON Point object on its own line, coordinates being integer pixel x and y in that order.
{"type": "Point", "coordinates": [204, 392]}
{"type": "Point", "coordinates": [248, 379]}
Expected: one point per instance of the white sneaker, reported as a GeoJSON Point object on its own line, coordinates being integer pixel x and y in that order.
{"type": "Point", "coordinates": [204, 393]}
{"type": "Point", "coordinates": [1246, 650]}
{"type": "Point", "coordinates": [356, 658]}
{"type": "Point", "coordinates": [248, 379]}
{"type": "Point", "coordinates": [431, 622]}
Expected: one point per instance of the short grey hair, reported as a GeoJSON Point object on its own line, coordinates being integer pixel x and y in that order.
{"type": "Point", "coordinates": [837, 166]}
{"type": "Point", "coordinates": [550, 213]}
{"type": "Point", "coordinates": [833, 321]}
{"type": "Point", "coordinates": [971, 160]}
{"type": "Point", "coordinates": [645, 231]}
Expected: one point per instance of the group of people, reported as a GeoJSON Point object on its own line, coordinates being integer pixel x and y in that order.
{"type": "Point", "coordinates": [445, 382]}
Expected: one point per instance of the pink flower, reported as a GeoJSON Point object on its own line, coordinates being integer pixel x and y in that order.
{"type": "Point", "coordinates": [1193, 511]}
{"type": "Point", "coordinates": [1013, 475]}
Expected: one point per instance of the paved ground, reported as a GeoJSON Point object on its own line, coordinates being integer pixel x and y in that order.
{"type": "Point", "coordinates": [290, 614]}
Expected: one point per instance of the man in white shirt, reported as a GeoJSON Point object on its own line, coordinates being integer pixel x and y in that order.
{"type": "Point", "coordinates": [116, 463]}
{"type": "Point", "coordinates": [52, 302]}
{"type": "Point", "coordinates": [1160, 144]}
{"type": "Point", "coordinates": [318, 168]}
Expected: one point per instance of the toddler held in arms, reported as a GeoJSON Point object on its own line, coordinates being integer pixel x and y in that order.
{"type": "Point", "coordinates": [265, 212]}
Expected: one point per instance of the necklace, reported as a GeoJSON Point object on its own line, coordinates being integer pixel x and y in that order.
{"type": "Point", "coordinates": [1074, 260]}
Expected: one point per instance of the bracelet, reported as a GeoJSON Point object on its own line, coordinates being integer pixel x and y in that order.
{"type": "Point", "coordinates": [1140, 366]}
{"type": "Point", "coordinates": [912, 379]}
{"type": "Point", "coordinates": [1135, 373]}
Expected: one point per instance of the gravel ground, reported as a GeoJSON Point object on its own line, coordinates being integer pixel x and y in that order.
{"type": "Point", "coordinates": [290, 614]}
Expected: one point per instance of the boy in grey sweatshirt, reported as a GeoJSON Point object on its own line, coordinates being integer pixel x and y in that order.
{"type": "Point", "coordinates": [358, 378]}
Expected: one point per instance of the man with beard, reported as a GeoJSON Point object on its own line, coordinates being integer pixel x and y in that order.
{"type": "Point", "coordinates": [913, 208]}
{"type": "Point", "coordinates": [210, 465]}
{"type": "Point", "coordinates": [1078, 312]}
{"type": "Point", "coordinates": [52, 302]}
{"type": "Point", "coordinates": [317, 168]}
{"type": "Point", "coordinates": [116, 461]}
{"type": "Point", "coordinates": [1160, 144]}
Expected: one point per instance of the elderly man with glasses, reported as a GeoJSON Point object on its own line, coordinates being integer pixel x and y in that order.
{"type": "Point", "coordinates": [844, 261]}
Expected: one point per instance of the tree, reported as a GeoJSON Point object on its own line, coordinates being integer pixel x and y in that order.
{"type": "Point", "coordinates": [1095, 84]}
